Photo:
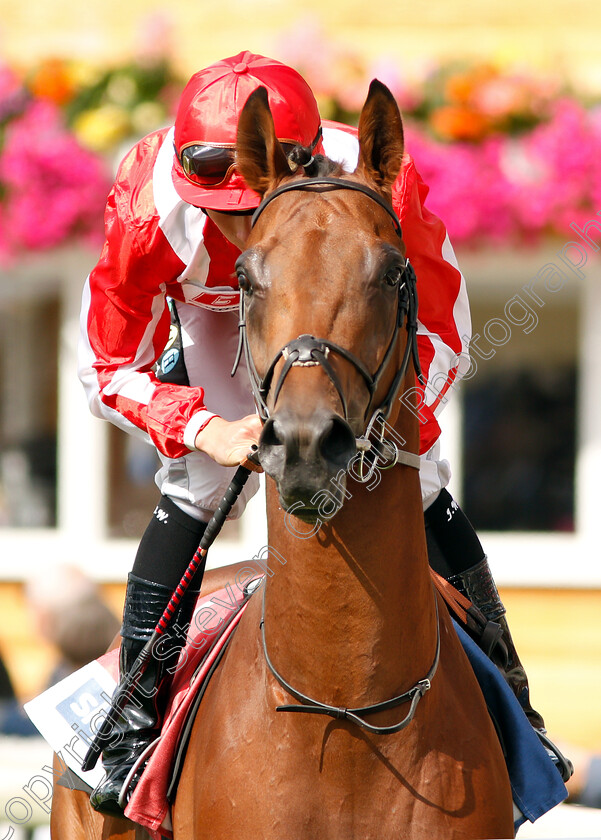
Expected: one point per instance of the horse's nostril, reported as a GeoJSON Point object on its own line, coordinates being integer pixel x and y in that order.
{"type": "Point", "coordinates": [278, 445]}
{"type": "Point", "coordinates": [337, 442]}
{"type": "Point", "coordinates": [269, 435]}
{"type": "Point", "coordinates": [323, 443]}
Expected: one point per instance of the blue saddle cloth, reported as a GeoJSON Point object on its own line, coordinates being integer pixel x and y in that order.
{"type": "Point", "coordinates": [535, 782]}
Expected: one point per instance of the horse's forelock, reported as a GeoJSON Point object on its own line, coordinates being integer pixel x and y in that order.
{"type": "Point", "coordinates": [327, 167]}
{"type": "Point", "coordinates": [315, 166]}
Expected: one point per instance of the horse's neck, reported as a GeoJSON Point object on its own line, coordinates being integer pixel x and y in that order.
{"type": "Point", "coordinates": [350, 617]}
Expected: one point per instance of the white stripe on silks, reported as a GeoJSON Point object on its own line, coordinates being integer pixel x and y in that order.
{"type": "Point", "coordinates": [89, 377]}
{"type": "Point", "coordinates": [145, 354]}
{"type": "Point", "coordinates": [86, 357]}
{"type": "Point", "coordinates": [131, 385]}
{"type": "Point", "coordinates": [445, 358]}
{"type": "Point", "coordinates": [461, 310]}
{"type": "Point", "coordinates": [182, 223]}
{"type": "Point", "coordinates": [183, 226]}
{"type": "Point", "coordinates": [443, 361]}
{"type": "Point", "coordinates": [127, 381]}
{"type": "Point", "coordinates": [341, 147]}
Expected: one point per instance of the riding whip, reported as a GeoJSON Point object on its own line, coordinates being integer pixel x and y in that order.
{"type": "Point", "coordinates": [129, 683]}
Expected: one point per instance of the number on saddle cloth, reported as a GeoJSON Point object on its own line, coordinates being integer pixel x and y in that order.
{"type": "Point", "coordinates": [170, 366]}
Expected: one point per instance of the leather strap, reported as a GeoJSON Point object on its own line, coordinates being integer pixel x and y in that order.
{"type": "Point", "coordinates": [356, 715]}
{"type": "Point", "coordinates": [323, 183]}
{"type": "Point", "coordinates": [457, 602]}
{"type": "Point", "coordinates": [489, 634]}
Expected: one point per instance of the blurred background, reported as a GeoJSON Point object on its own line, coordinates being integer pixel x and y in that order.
{"type": "Point", "coordinates": [502, 108]}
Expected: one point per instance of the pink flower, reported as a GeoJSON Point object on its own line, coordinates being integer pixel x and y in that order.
{"type": "Point", "coordinates": [13, 96]}
{"type": "Point", "coordinates": [510, 189]}
{"type": "Point", "coordinates": [54, 190]}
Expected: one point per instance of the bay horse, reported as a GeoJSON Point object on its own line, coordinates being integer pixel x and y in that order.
{"type": "Point", "coordinates": [393, 738]}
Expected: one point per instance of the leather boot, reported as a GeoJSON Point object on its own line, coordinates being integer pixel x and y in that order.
{"type": "Point", "coordinates": [140, 722]}
{"type": "Point", "coordinates": [477, 584]}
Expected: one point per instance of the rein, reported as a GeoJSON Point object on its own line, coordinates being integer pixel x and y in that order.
{"type": "Point", "coordinates": [357, 715]}
{"type": "Point", "coordinates": [307, 351]}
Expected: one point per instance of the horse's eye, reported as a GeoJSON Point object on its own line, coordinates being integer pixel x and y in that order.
{"type": "Point", "coordinates": [394, 275]}
{"type": "Point", "coordinates": [244, 283]}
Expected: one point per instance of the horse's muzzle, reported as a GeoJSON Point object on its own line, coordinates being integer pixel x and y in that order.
{"type": "Point", "coordinates": [307, 458]}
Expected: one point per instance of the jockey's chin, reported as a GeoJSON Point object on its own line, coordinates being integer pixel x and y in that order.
{"type": "Point", "coordinates": [235, 227]}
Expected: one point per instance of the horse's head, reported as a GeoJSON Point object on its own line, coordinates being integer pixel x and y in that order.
{"type": "Point", "coordinates": [325, 289]}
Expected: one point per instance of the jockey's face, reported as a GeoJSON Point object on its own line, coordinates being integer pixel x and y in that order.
{"type": "Point", "coordinates": [234, 226]}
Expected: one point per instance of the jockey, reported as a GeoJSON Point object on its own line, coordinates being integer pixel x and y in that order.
{"type": "Point", "coordinates": [176, 219]}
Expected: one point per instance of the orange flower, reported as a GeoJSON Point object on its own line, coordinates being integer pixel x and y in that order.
{"type": "Point", "coordinates": [459, 123]}
{"type": "Point", "coordinates": [52, 80]}
{"type": "Point", "coordinates": [458, 88]}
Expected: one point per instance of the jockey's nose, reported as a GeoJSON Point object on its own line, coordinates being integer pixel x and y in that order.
{"type": "Point", "coordinates": [303, 454]}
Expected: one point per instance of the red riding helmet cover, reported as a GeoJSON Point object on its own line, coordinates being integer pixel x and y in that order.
{"type": "Point", "coordinates": [208, 115]}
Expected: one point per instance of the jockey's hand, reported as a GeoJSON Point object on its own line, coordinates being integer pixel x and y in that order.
{"type": "Point", "coordinates": [228, 442]}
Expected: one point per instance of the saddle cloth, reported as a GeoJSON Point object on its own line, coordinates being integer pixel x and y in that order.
{"type": "Point", "coordinates": [535, 782]}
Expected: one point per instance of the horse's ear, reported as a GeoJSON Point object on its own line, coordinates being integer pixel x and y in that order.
{"type": "Point", "coordinates": [380, 137]}
{"type": "Point", "coordinates": [259, 157]}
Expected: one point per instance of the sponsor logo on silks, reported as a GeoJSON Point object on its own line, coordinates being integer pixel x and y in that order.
{"type": "Point", "coordinates": [216, 301]}
{"type": "Point", "coordinates": [169, 360]}
{"type": "Point", "coordinates": [161, 515]}
{"type": "Point", "coordinates": [226, 300]}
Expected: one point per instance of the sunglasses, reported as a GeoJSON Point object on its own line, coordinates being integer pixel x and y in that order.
{"type": "Point", "coordinates": [211, 166]}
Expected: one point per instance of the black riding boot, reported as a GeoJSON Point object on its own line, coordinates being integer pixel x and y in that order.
{"type": "Point", "coordinates": [478, 585]}
{"type": "Point", "coordinates": [140, 721]}
{"type": "Point", "coordinates": [455, 552]}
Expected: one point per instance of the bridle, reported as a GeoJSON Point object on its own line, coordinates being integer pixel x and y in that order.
{"type": "Point", "coordinates": [308, 351]}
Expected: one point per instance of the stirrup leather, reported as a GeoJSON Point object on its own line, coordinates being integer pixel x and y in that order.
{"type": "Point", "coordinates": [487, 634]}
